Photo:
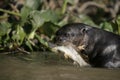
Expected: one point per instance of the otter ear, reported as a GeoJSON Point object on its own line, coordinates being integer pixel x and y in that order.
{"type": "Point", "coordinates": [83, 30]}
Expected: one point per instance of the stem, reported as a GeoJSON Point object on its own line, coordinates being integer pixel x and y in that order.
{"type": "Point", "coordinates": [64, 6]}
{"type": "Point", "coordinates": [10, 12]}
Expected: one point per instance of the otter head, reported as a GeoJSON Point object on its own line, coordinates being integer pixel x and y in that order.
{"type": "Point", "coordinates": [70, 34]}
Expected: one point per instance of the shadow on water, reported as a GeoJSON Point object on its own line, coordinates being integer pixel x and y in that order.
{"type": "Point", "coordinates": [48, 66]}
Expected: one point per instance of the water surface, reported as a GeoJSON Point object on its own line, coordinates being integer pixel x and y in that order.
{"type": "Point", "coordinates": [48, 66]}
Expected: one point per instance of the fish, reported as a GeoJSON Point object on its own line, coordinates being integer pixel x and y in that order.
{"type": "Point", "coordinates": [70, 52]}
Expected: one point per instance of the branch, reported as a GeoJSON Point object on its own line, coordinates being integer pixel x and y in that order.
{"type": "Point", "coordinates": [102, 6]}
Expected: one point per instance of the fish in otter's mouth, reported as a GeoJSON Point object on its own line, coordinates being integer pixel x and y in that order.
{"type": "Point", "coordinates": [70, 52]}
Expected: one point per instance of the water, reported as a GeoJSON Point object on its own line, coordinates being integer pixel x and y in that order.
{"type": "Point", "coordinates": [48, 66]}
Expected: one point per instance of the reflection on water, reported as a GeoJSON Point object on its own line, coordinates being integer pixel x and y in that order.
{"type": "Point", "coordinates": [43, 66]}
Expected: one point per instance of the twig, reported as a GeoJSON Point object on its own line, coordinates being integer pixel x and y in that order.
{"type": "Point", "coordinates": [91, 3]}
{"type": "Point", "coordinates": [10, 12]}
{"type": "Point", "coordinates": [116, 7]}
{"type": "Point", "coordinates": [23, 51]}
{"type": "Point", "coordinates": [4, 17]}
{"type": "Point", "coordinates": [14, 8]}
{"type": "Point", "coordinates": [10, 52]}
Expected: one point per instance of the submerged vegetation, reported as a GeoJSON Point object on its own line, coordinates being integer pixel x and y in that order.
{"type": "Point", "coordinates": [27, 25]}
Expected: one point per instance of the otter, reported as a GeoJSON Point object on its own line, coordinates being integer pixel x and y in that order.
{"type": "Point", "coordinates": [102, 47]}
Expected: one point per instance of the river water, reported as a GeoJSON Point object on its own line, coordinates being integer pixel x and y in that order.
{"type": "Point", "coordinates": [49, 66]}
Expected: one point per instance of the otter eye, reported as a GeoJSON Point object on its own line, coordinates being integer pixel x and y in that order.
{"type": "Point", "coordinates": [66, 34]}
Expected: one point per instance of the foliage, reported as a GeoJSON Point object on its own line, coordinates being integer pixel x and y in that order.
{"type": "Point", "coordinates": [111, 26]}
{"type": "Point", "coordinates": [32, 26]}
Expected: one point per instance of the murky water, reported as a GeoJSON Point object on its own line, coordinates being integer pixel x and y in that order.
{"type": "Point", "coordinates": [44, 66]}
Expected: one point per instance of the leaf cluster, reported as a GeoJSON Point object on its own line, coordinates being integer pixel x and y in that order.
{"type": "Point", "coordinates": [31, 26]}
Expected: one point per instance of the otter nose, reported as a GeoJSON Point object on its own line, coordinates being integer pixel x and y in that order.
{"type": "Point", "coordinates": [57, 39]}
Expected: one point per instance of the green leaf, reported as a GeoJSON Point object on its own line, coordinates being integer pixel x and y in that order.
{"type": "Point", "coordinates": [29, 45]}
{"type": "Point", "coordinates": [85, 19]}
{"type": "Point", "coordinates": [43, 42]}
{"type": "Point", "coordinates": [4, 28]}
{"type": "Point", "coordinates": [24, 14]}
{"type": "Point", "coordinates": [106, 26]}
{"type": "Point", "coordinates": [29, 6]}
{"type": "Point", "coordinates": [38, 18]}
{"type": "Point", "coordinates": [49, 29]}
{"type": "Point", "coordinates": [19, 34]}
{"type": "Point", "coordinates": [33, 4]}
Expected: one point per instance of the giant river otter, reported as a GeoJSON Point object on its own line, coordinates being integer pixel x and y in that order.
{"type": "Point", "coordinates": [101, 47]}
